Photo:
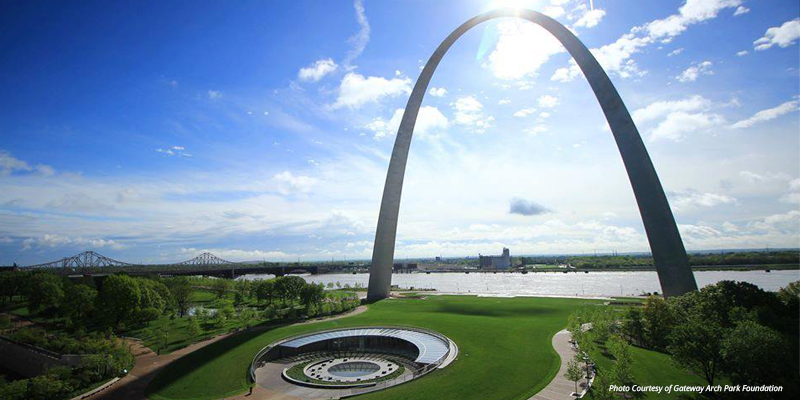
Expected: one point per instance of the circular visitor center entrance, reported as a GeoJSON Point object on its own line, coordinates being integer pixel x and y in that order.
{"type": "Point", "coordinates": [345, 362]}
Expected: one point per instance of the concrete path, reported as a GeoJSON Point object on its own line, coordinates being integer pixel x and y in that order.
{"type": "Point", "coordinates": [560, 388]}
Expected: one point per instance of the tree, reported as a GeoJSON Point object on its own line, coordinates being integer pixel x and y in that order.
{"type": "Point", "coordinates": [163, 339]}
{"type": "Point", "coordinates": [148, 314]}
{"type": "Point", "coordinates": [44, 291]}
{"type": "Point", "coordinates": [574, 373]}
{"type": "Point", "coordinates": [181, 291]}
{"type": "Point", "coordinates": [754, 354]}
{"type": "Point", "coordinates": [696, 345]}
{"type": "Point", "coordinates": [289, 287]}
{"type": "Point", "coordinates": [601, 389]}
{"type": "Point", "coordinates": [193, 327]}
{"type": "Point", "coordinates": [621, 350]}
{"type": "Point", "coordinates": [16, 390]}
{"type": "Point", "coordinates": [790, 293]}
{"type": "Point", "coordinates": [120, 299]}
{"type": "Point", "coordinates": [11, 284]}
{"type": "Point", "coordinates": [78, 303]}
{"type": "Point", "coordinates": [238, 299]}
{"type": "Point", "coordinates": [633, 326]}
{"type": "Point", "coordinates": [657, 319]}
{"type": "Point", "coordinates": [312, 294]}
{"type": "Point", "coordinates": [220, 287]}
{"type": "Point", "coordinates": [265, 290]}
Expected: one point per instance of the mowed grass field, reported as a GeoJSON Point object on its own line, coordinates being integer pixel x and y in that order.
{"type": "Point", "coordinates": [504, 349]}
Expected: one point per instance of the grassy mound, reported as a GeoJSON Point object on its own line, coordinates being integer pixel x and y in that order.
{"type": "Point", "coordinates": [504, 344]}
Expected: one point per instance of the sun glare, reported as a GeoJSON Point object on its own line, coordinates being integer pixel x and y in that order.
{"type": "Point", "coordinates": [520, 4]}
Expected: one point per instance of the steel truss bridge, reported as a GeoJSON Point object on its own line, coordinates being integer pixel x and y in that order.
{"type": "Point", "coordinates": [91, 259]}
{"type": "Point", "coordinates": [204, 264]}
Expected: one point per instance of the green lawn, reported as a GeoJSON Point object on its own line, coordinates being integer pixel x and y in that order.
{"type": "Point", "coordinates": [652, 368]}
{"type": "Point", "coordinates": [505, 350]}
{"type": "Point", "coordinates": [178, 332]}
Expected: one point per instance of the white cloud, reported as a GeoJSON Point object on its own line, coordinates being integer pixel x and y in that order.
{"type": "Point", "coordinates": [787, 222]}
{"type": "Point", "coordinates": [616, 57]}
{"type": "Point", "coordinates": [524, 112]}
{"type": "Point", "coordinates": [468, 112]}
{"type": "Point", "coordinates": [504, 102]}
{"type": "Point", "coordinates": [317, 71]}
{"type": "Point", "coordinates": [9, 164]}
{"type": "Point", "coordinates": [288, 183]}
{"type": "Point", "coordinates": [214, 94]}
{"type": "Point", "coordinates": [692, 12]}
{"type": "Point", "coordinates": [553, 11]}
{"type": "Point", "coordinates": [691, 199]}
{"type": "Point", "coordinates": [741, 10]}
{"type": "Point", "coordinates": [783, 36]}
{"type": "Point", "coordinates": [692, 233]}
{"type": "Point", "coordinates": [753, 177]}
{"type": "Point", "coordinates": [768, 114]}
{"type": "Point", "coordinates": [660, 109]}
{"type": "Point", "coordinates": [793, 195]}
{"type": "Point", "coordinates": [45, 170]}
{"type": "Point", "coordinates": [515, 56]}
{"type": "Point", "coordinates": [438, 92]}
{"type": "Point", "coordinates": [547, 101]}
{"type": "Point", "coordinates": [679, 123]}
{"type": "Point", "coordinates": [357, 90]}
{"type": "Point", "coordinates": [591, 18]}
{"type": "Point", "coordinates": [677, 117]}
{"type": "Point", "coordinates": [741, 53]}
{"type": "Point", "coordinates": [692, 73]}
{"type": "Point", "coordinates": [729, 227]}
{"type": "Point", "coordinates": [53, 241]}
{"type": "Point", "coordinates": [429, 119]}
{"type": "Point", "coordinates": [536, 130]}
{"type": "Point", "coordinates": [359, 40]}
{"type": "Point", "coordinates": [675, 52]}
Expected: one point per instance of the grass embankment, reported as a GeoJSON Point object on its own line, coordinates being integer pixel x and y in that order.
{"type": "Point", "coordinates": [505, 351]}
{"type": "Point", "coordinates": [650, 368]}
{"type": "Point", "coordinates": [504, 344]}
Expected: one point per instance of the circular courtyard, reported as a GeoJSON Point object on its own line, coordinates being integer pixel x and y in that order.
{"type": "Point", "coordinates": [344, 362]}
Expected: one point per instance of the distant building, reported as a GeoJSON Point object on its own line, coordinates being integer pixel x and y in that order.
{"type": "Point", "coordinates": [496, 262]}
{"type": "Point", "coordinates": [438, 258]}
{"type": "Point", "coordinates": [404, 268]}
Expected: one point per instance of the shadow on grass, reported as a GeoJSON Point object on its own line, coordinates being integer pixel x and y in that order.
{"type": "Point", "coordinates": [184, 365]}
{"type": "Point", "coordinates": [498, 310]}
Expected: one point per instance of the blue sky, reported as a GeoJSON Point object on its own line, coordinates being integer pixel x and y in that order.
{"type": "Point", "coordinates": [152, 131]}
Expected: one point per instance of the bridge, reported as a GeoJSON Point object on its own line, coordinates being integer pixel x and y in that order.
{"type": "Point", "coordinates": [92, 263]}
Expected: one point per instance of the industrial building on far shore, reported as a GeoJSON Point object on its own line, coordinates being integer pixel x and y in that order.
{"type": "Point", "coordinates": [502, 261]}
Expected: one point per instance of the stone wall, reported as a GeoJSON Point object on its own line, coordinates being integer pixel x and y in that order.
{"type": "Point", "coordinates": [30, 361]}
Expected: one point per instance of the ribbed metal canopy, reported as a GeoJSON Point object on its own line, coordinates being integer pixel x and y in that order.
{"type": "Point", "coordinates": [431, 348]}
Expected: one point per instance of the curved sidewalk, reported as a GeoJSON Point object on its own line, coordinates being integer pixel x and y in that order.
{"type": "Point", "coordinates": [560, 388]}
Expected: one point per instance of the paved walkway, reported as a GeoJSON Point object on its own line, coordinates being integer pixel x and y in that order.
{"type": "Point", "coordinates": [560, 388]}
{"type": "Point", "coordinates": [148, 364]}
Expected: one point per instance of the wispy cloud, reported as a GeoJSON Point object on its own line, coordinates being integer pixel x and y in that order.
{"type": "Point", "coordinates": [768, 114]}
{"type": "Point", "coordinates": [359, 40]}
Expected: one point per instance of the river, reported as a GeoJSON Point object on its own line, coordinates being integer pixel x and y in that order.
{"type": "Point", "coordinates": [553, 283]}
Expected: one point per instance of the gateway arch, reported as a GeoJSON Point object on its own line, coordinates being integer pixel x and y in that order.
{"type": "Point", "coordinates": [666, 245]}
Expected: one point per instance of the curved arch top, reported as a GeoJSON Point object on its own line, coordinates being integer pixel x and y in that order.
{"type": "Point", "coordinates": [669, 254]}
